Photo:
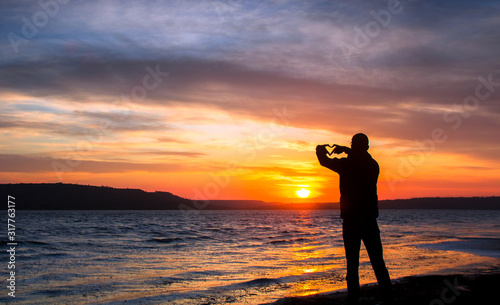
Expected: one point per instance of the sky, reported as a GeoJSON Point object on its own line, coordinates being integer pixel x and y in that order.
{"type": "Point", "coordinates": [228, 99]}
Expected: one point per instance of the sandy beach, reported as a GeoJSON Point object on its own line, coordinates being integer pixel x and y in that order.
{"type": "Point", "coordinates": [473, 287]}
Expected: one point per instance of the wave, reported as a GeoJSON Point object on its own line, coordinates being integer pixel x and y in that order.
{"type": "Point", "coordinates": [166, 240]}
{"type": "Point", "coordinates": [289, 241]}
{"type": "Point", "coordinates": [26, 242]}
{"type": "Point", "coordinates": [476, 245]}
{"type": "Point", "coordinates": [260, 282]}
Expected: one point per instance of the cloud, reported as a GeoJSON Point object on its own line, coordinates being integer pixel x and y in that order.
{"type": "Point", "coordinates": [172, 153]}
{"type": "Point", "coordinates": [86, 123]}
{"type": "Point", "coordinates": [31, 164]}
{"type": "Point", "coordinates": [341, 108]}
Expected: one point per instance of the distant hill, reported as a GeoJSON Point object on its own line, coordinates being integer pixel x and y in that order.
{"type": "Point", "coordinates": [60, 196]}
{"type": "Point", "coordinates": [445, 203]}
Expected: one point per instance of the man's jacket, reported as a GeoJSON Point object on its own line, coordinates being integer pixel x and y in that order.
{"type": "Point", "coordinates": [358, 183]}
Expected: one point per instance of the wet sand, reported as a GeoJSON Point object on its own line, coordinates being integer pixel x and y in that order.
{"type": "Point", "coordinates": [456, 289]}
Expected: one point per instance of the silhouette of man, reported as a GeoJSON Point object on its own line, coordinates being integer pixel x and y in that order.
{"type": "Point", "coordinates": [359, 211]}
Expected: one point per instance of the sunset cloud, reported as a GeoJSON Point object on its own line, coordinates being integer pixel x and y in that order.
{"type": "Point", "coordinates": [183, 85]}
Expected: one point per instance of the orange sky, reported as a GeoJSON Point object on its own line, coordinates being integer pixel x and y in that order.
{"type": "Point", "coordinates": [229, 101]}
{"type": "Point", "coordinates": [224, 156]}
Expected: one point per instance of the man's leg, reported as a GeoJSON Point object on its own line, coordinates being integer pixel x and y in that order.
{"type": "Point", "coordinates": [373, 244]}
{"type": "Point", "coordinates": [352, 244]}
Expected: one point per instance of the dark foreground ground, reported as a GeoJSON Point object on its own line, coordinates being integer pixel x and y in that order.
{"type": "Point", "coordinates": [456, 289]}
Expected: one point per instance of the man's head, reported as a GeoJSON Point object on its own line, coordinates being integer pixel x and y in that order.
{"type": "Point", "coordinates": [360, 142]}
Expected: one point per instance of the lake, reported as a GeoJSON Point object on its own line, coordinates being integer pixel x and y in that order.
{"type": "Point", "coordinates": [220, 257]}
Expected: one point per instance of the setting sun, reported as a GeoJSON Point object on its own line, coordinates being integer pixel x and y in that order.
{"type": "Point", "coordinates": [303, 193]}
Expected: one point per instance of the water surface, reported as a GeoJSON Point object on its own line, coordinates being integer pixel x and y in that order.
{"type": "Point", "coordinates": [220, 257]}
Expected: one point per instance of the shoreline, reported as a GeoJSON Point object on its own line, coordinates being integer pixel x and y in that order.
{"type": "Point", "coordinates": [476, 286]}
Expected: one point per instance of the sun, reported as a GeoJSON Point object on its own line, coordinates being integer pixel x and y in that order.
{"type": "Point", "coordinates": [303, 193]}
